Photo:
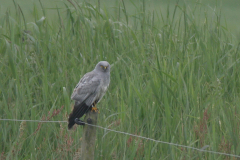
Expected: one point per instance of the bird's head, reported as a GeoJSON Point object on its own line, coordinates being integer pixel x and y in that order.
{"type": "Point", "coordinates": [103, 66]}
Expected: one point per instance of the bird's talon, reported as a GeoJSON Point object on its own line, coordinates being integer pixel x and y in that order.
{"type": "Point", "coordinates": [94, 109]}
{"type": "Point", "coordinates": [79, 122]}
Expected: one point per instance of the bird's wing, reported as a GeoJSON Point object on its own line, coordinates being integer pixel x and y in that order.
{"type": "Point", "coordinates": [86, 88]}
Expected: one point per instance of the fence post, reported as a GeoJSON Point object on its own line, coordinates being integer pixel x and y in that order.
{"type": "Point", "coordinates": [89, 136]}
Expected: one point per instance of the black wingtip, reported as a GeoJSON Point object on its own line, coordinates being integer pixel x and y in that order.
{"type": "Point", "coordinates": [78, 111]}
{"type": "Point", "coordinates": [71, 121]}
{"type": "Point", "coordinates": [70, 126]}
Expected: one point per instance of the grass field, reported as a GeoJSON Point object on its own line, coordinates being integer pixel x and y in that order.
{"type": "Point", "coordinates": [175, 78]}
{"type": "Point", "coordinates": [229, 8]}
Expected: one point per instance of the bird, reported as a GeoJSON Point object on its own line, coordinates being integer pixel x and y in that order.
{"type": "Point", "coordinates": [89, 91]}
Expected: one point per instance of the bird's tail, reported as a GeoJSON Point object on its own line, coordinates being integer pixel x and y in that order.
{"type": "Point", "coordinates": [78, 111]}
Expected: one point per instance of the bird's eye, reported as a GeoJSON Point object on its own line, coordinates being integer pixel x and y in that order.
{"type": "Point", "coordinates": [103, 67]}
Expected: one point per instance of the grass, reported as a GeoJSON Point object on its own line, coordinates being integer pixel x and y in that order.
{"type": "Point", "coordinates": [175, 78]}
{"type": "Point", "coordinates": [229, 8]}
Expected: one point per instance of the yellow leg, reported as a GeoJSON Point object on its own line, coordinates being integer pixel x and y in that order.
{"type": "Point", "coordinates": [94, 108]}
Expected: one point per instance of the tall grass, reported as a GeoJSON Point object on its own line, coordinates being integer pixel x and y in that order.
{"type": "Point", "coordinates": [175, 78]}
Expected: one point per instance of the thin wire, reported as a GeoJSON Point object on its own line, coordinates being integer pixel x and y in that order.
{"type": "Point", "coordinates": [17, 120]}
{"type": "Point", "coordinates": [169, 143]}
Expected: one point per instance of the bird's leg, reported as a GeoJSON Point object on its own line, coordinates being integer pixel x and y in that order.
{"type": "Point", "coordinates": [94, 108]}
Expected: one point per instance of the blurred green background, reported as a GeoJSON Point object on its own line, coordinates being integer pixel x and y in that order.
{"type": "Point", "coordinates": [229, 8]}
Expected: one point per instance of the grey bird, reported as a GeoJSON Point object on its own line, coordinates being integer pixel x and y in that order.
{"type": "Point", "coordinates": [89, 91]}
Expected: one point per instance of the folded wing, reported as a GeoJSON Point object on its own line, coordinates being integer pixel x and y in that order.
{"type": "Point", "coordinates": [84, 94]}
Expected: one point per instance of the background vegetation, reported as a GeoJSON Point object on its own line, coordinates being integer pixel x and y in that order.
{"type": "Point", "coordinates": [175, 78]}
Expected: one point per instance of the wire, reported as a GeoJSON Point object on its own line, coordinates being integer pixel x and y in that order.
{"type": "Point", "coordinates": [157, 141]}
{"type": "Point", "coordinates": [18, 120]}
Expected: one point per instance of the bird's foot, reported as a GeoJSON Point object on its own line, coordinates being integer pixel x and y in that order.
{"type": "Point", "coordinates": [94, 109]}
{"type": "Point", "coordinates": [79, 122]}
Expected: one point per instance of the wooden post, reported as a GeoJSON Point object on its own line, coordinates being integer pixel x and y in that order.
{"type": "Point", "coordinates": [89, 136]}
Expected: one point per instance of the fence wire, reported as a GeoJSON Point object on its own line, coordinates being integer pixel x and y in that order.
{"type": "Point", "coordinates": [142, 137]}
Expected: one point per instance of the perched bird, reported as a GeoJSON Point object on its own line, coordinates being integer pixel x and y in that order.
{"type": "Point", "coordinates": [89, 91]}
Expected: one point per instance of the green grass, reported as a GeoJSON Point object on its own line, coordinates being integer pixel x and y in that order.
{"type": "Point", "coordinates": [229, 8]}
{"type": "Point", "coordinates": [175, 78]}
